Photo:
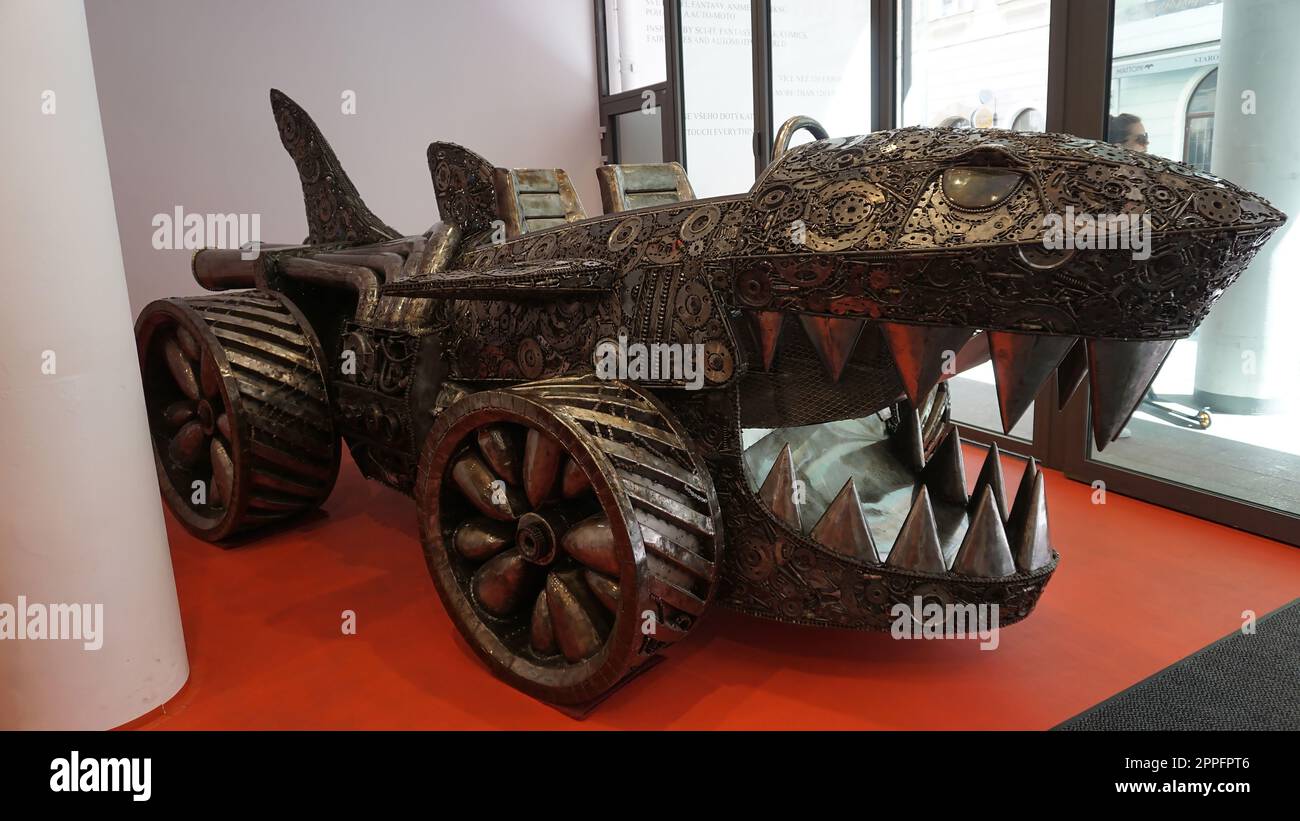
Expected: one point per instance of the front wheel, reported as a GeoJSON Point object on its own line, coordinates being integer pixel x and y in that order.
{"type": "Point", "coordinates": [571, 531]}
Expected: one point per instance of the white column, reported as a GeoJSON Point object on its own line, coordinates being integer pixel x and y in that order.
{"type": "Point", "coordinates": [80, 515]}
{"type": "Point", "coordinates": [1247, 347]}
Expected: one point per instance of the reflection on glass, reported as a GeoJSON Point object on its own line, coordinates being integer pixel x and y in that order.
{"type": "Point", "coordinates": [975, 64]}
{"type": "Point", "coordinates": [640, 135]}
{"type": "Point", "coordinates": [634, 38]}
{"type": "Point", "coordinates": [717, 84]}
{"type": "Point", "coordinates": [1224, 413]}
{"type": "Point", "coordinates": [821, 65]}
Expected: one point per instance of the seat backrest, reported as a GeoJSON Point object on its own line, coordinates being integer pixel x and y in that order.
{"type": "Point", "coordinates": [531, 199]}
{"type": "Point", "coordinates": [625, 187]}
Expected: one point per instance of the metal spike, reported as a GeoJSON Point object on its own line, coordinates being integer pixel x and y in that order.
{"type": "Point", "coordinates": [606, 589]}
{"type": "Point", "coordinates": [579, 621]}
{"type": "Point", "coordinates": [984, 551]}
{"type": "Point", "coordinates": [481, 486]}
{"type": "Point", "coordinates": [541, 634]}
{"type": "Point", "coordinates": [833, 339]}
{"type": "Point", "coordinates": [505, 582]}
{"type": "Point", "coordinates": [181, 369]}
{"type": "Point", "coordinates": [592, 543]}
{"type": "Point", "coordinates": [777, 491]}
{"type": "Point", "coordinates": [1021, 364]}
{"type": "Point", "coordinates": [1030, 540]}
{"type": "Point", "coordinates": [1119, 374]}
{"type": "Point", "coordinates": [188, 343]}
{"type": "Point", "coordinates": [501, 446]}
{"type": "Point", "coordinates": [1023, 490]}
{"type": "Point", "coordinates": [910, 439]}
{"type": "Point", "coordinates": [945, 473]}
{"type": "Point", "coordinates": [573, 481]}
{"type": "Point", "coordinates": [767, 326]}
{"type": "Point", "coordinates": [223, 425]}
{"type": "Point", "coordinates": [542, 456]}
{"type": "Point", "coordinates": [917, 546]}
{"type": "Point", "coordinates": [187, 445]}
{"type": "Point", "coordinates": [223, 471]}
{"type": "Point", "coordinates": [919, 353]}
{"type": "Point", "coordinates": [844, 529]}
{"type": "Point", "coordinates": [479, 539]}
{"type": "Point", "coordinates": [991, 476]}
{"type": "Point", "coordinates": [178, 413]}
{"type": "Point", "coordinates": [1070, 373]}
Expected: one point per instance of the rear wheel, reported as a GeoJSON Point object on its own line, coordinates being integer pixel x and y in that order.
{"type": "Point", "coordinates": [238, 410]}
{"type": "Point", "coordinates": [571, 532]}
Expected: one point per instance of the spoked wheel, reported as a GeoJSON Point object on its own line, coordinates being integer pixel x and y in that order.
{"type": "Point", "coordinates": [570, 529]}
{"type": "Point", "coordinates": [238, 410]}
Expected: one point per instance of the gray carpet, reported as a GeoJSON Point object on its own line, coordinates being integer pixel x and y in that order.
{"type": "Point", "coordinates": [1241, 682]}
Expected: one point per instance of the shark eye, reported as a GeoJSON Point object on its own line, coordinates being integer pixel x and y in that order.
{"type": "Point", "coordinates": [974, 188]}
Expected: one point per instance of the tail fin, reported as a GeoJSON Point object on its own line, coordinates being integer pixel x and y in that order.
{"type": "Point", "coordinates": [462, 183]}
{"type": "Point", "coordinates": [335, 211]}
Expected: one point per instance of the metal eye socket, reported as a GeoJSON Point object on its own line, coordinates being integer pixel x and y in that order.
{"type": "Point", "coordinates": [974, 188]}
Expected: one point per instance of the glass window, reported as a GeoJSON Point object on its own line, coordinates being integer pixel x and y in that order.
{"type": "Point", "coordinates": [640, 135]}
{"type": "Point", "coordinates": [718, 92]}
{"type": "Point", "coordinates": [634, 43]}
{"type": "Point", "coordinates": [964, 64]}
{"type": "Point", "coordinates": [1224, 413]}
{"type": "Point", "coordinates": [821, 65]}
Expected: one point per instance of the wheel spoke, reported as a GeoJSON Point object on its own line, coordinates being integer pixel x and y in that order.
{"type": "Point", "coordinates": [187, 445]}
{"type": "Point", "coordinates": [493, 496]}
{"type": "Point", "coordinates": [541, 634]}
{"type": "Point", "coordinates": [502, 446]}
{"type": "Point", "coordinates": [578, 620]}
{"type": "Point", "coordinates": [209, 377]}
{"type": "Point", "coordinates": [542, 456]}
{"type": "Point", "coordinates": [506, 582]}
{"type": "Point", "coordinates": [573, 482]}
{"type": "Point", "coordinates": [181, 369]}
{"type": "Point", "coordinates": [188, 343]}
{"type": "Point", "coordinates": [178, 413]}
{"type": "Point", "coordinates": [223, 471]}
{"type": "Point", "coordinates": [592, 542]}
{"type": "Point", "coordinates": [480, 539]}
{"type": "Point", "coordinates": [223, 426]}
{"type": "Point", "coordinates": [605, 588]}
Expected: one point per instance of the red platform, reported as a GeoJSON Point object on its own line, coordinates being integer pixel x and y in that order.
{"type": "Point", "coordinates": [1138, 588]}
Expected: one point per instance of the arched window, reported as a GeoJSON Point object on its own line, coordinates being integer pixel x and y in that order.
{"type": "Point", "coordinates": [1198, 132]}
{"type": "Point", "coordinates": [1029, 119]}
{"type": "Point", "coordinates": [954, 122]}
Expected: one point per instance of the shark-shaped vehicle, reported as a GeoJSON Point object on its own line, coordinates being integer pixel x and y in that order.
{"type": "Point", "coordinates": [609, 423]}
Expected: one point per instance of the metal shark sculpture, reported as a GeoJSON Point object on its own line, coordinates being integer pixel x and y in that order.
{"type": "Point", "coordinates": [573, 525]}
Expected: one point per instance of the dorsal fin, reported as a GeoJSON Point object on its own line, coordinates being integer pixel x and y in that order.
{"type": "Point", "coordinates": [462, 183]}
{"type": "Point", "coordinates": [335, 211]}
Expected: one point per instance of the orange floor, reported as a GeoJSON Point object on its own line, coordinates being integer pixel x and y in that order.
{"type": "Point", "coordinates": [1138, 588]}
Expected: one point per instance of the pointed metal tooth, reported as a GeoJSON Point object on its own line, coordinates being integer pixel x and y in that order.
{"type": "Point", "coordinates": [542, 456]}
{"type": "Point", "coordinates": [767, 326]}
{"type": "Point", "coordinates": [505, 582]}
{"type": "Point", "coordinates": [541, 634]}
{"type": "Point", "coordinates": [592, 543]}
{"type": "Point", "coordinates": [223, 472]}
{"type": "Point", "coordinates": [777, 491]}
{"type": "Point", "coordinates": [1119, 373]}
{"type": "Point", "coordinates": [573, 481]}
{"type": "Point", "coordinates": [178, 413]}
{"type": "Point", "coordinates": [605, 589]}
{"type": "Point", "coordinates": [181, 369]}
{"type": "Point", "coordinates": [1021, 364]}
{"type": "Point", "coordinates": [480, 539]}
{"type": "Point", "coordinates": [984, 551]}
{"type": "Point", "coordinates": [843, 528]}
{"type": "Point", "coordinates": [945, 473]}
{"type": "Point", "coordinates": [991, 476]}
{"type": "Point", "coordinates": [833, 339]}
{"type": "Point", "coordinates": [223, 425]}
{"type": "Point", "coordinates": [579, 621]}
{"type": "Point", "coordinates": [1023, 490]}
{"type": "Point", "coordinates": [481, 486]}
{"type": "Point", "coordinates": [919, 353]}
{"type": "Point", "coordinates": [502, 446]}
{"type": "Point", "coordinates": [188, 343]}
{"type": "Point", "coordinates": [917, 546]}
{"type": "Point", "coordinates": [187, 445]}
{"type": "Point", "coordinates": [909, 438]}
{"type": "Point", "coordinates": [1070, 373]}
{"type": "Point", "coordinates": [1030, 541]}
{"type": "Point", "coordinates": [209, 377]}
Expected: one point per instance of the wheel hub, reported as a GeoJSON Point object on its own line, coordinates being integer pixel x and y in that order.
{"type": "Point", "coordinates": [536, 539]}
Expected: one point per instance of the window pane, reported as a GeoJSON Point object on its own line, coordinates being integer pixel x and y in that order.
{"type": "Point", "coordinates": [717, 71]}
{"type": "Point", "coordinates": [634, 41]}
{"type": "Point", "coordinates": [640, 135]}
{"type": "Point", "coordinates": [821, 65]}
{"type": "Point", "coordinates": [981, 64]}
{"type": "Point", "coordinates": [1238, 373]}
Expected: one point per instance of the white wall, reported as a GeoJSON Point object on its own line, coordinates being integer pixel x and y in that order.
{"type": "Point", "coordinates": [183, 94]}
